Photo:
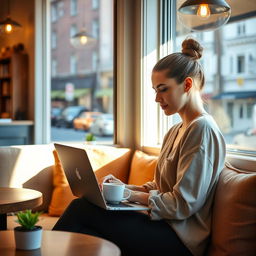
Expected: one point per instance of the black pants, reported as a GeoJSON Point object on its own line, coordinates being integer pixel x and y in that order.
{"type": "Point", "coordinates": [133, 232]}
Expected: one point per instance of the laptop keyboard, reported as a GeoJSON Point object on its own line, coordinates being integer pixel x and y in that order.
{"type": "Point", "coordinates": [119, 205]}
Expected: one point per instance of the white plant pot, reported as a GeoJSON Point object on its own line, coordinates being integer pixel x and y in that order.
{"type": "Point", "coordinates": [28, 239]}
{"type": "Point", "coordinates": [93, 142]}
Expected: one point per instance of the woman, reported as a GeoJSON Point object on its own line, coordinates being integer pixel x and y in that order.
{"type": "Point", "coordinates": [181, 196]}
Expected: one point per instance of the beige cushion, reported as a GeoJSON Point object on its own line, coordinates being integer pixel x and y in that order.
{"type": "Point", "coordinates": [234, 214]}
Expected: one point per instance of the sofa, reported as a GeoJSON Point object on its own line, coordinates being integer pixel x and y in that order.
{"type": "Point", "coordinates": [234, 210]}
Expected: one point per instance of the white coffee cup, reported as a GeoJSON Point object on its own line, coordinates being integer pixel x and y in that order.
{"type": "Point", "coordinates": [114, 192]}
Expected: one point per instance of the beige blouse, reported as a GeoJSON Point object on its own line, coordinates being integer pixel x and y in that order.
{"type": "Point", "coordinates": [185, 180]}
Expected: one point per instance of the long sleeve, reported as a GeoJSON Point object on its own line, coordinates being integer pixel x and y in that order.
{"type": "Point", "coordinates": [150, 185]}
{"type": "Point", "coordinates": [190, 191]}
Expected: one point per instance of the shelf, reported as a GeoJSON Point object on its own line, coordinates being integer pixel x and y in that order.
{"type": "Point", "coordinates": [5, 77]}
{"type": "Point", "coordinates": [14, 86]}
{"type": "Point", "coordinates": [5, 60]}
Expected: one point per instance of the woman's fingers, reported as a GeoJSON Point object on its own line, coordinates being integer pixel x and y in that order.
{"type": "Point", "coordinates": [104, 179]}
{"type": "Point", "coordinates": [109, 179]}
{"type": "Point", "coordinates": [115, 181]}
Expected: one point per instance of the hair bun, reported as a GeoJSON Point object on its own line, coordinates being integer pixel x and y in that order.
{"type": "Point", "coordinates": [192, 48]}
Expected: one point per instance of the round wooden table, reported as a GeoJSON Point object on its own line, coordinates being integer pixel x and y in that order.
{"type": "Point", "coordinates": [17, 199]}
{"type": "Point", "coordinates": [60, 243]}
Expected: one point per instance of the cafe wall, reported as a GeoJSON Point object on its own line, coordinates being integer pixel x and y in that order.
{"type": "Point", "coordinates": [23, 13]}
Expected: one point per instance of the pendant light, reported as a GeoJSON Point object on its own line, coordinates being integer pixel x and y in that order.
{"type": "Point", "coordinates": [8, 25]}
{"type": "Point", "coordinates": [203, 15]}
{"type": "Point", "coordinates": [80, 39]}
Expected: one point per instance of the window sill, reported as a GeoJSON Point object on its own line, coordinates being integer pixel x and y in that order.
{"type": "Point", "coordinates": [231, 152]}
{"type": "Point", "coordinates": [152, 150]}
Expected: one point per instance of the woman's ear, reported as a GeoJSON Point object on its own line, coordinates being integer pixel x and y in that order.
{"type": "Point", "coordinates": [188, 83]}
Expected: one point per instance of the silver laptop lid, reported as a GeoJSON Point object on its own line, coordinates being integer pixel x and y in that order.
{"type": "Point", "coordinates": [79, 173]}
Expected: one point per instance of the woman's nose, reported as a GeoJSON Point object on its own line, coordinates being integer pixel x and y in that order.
{"type": "Point", "coordinates": [157, 98]}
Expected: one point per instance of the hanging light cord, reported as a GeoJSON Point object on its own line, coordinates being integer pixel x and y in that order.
{"type": "Point", "coordinates": [8, 9]}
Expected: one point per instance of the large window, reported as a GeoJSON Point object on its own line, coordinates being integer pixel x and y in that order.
{"type": "Point", "coordinates": [80, 75]}
{"type": "Point", "coordinates": [73, 7]}
{"type": "Point", "coordinates": [240, 64]}
{"type": "Point", "coordinates": [229, 65]}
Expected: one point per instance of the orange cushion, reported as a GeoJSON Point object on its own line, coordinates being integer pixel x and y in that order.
{"type": "Point", "coordinates": [104, 161]}
{"type": "Point", "coordinates": [119, 167]}
{"type": "Point", "coordinates": [142, 168]}
{"type": "Point", "coordinates": [62, 194]}
{"type": "Point", "coordinates": [234, 214]}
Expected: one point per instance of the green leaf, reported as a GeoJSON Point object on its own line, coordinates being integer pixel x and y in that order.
{"type": "Point", "coordinates": [90, 137]}
{"type": "Point", "coordinates": [28, 219]}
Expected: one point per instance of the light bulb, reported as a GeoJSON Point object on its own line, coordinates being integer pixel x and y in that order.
{"type": "Point", "coordinates": [83, 40]}
{"type": "Point", "coordinates": [203, 11]}
{"type": "Point", "coordinates": [204, 15]}
{"type": "Point", "coordinates": [8, 28]}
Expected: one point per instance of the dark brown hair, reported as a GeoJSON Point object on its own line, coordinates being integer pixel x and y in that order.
{"type": "Point", "coordinates": [180, 65]}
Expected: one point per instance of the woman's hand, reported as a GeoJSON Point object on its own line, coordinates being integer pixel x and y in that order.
{"type": "Point", "coordinates": [109, 179]}
{"type": "Point", "coordinates": [138, 196]}
{"type": "Point", "coordinates": [138, 193]}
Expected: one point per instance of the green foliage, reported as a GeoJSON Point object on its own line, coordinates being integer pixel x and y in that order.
{"type": "Point", "coordinates": [27, 219]}
{"type": "Point", "coordinates": [90, 137]}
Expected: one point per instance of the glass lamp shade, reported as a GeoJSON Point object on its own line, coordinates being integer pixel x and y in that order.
{"type": "Point", "coordinates": [80, 39]}
{"type": "Point", "coordinates": [198, 15]}
{"type": "Point", "coordinates": [9, 26]}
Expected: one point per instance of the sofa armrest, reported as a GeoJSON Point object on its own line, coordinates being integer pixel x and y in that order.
{"type": "Point", "coordinates": [29, 166]}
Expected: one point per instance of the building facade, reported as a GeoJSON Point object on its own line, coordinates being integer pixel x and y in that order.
{"type": "Point", "coordinates": [82, 75]}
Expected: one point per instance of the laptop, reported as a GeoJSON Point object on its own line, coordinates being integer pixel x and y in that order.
{"type": "Point", "coordinates": [83, 181]}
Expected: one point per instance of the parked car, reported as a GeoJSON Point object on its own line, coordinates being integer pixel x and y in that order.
{"type": "Point", "coordinates": [84, 120]}
{"type": "Point", "coordinates": [55, 112]}
{"type": "Point", "coordinates": [68, 115]}
{"type": "Point", "coordinates": [103, 125]}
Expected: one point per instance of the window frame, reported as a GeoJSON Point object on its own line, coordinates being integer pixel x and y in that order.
{"type": "Point", "coordinates": [42, 95]}
{"type": "Point", "coordinates": [73, 64]}
{"type": "Point", "coordinates": [73, 8]}
{"type": "Point", "coordinates": [241, 60]}
{"type": "Point", "coordinates": [123, 72]}
{"type": "Point", "coordinates": [163, 121]}
{"type": "Point", "coordinates": [95, 4]}
{"type": "Point", "coordinates": [164, 45]}
{"type": "Point", "coordinates": [53, 40]}
{"type": "Point", "coordinates": [73, 30]}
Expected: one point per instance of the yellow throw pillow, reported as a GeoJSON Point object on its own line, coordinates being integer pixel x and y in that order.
{"type": "Point", "coordinates": [142, 168]}
{"type": "Point", "coordinates": [62, 194]}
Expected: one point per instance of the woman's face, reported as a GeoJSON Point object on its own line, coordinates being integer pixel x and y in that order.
{"type": "Point", "coordinates": [170, 95]}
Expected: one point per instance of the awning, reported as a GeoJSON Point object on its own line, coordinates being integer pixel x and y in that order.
{"type": "Point", "coordinates": [104, 92]}
{"type": "Point", "coordinates": [60, 94]}
{"type": "Point", "coordinates": [81, 92]}
{"type": "Point", "coordinates": [79, 81]}
{"type": "Point", "coordinates": [235, 95]}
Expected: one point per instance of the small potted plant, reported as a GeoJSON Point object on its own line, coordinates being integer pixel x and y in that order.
{"type": "Point", "coordinates": [28, 236]}
{"type": "Point", "coordinates": [90, 138]}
